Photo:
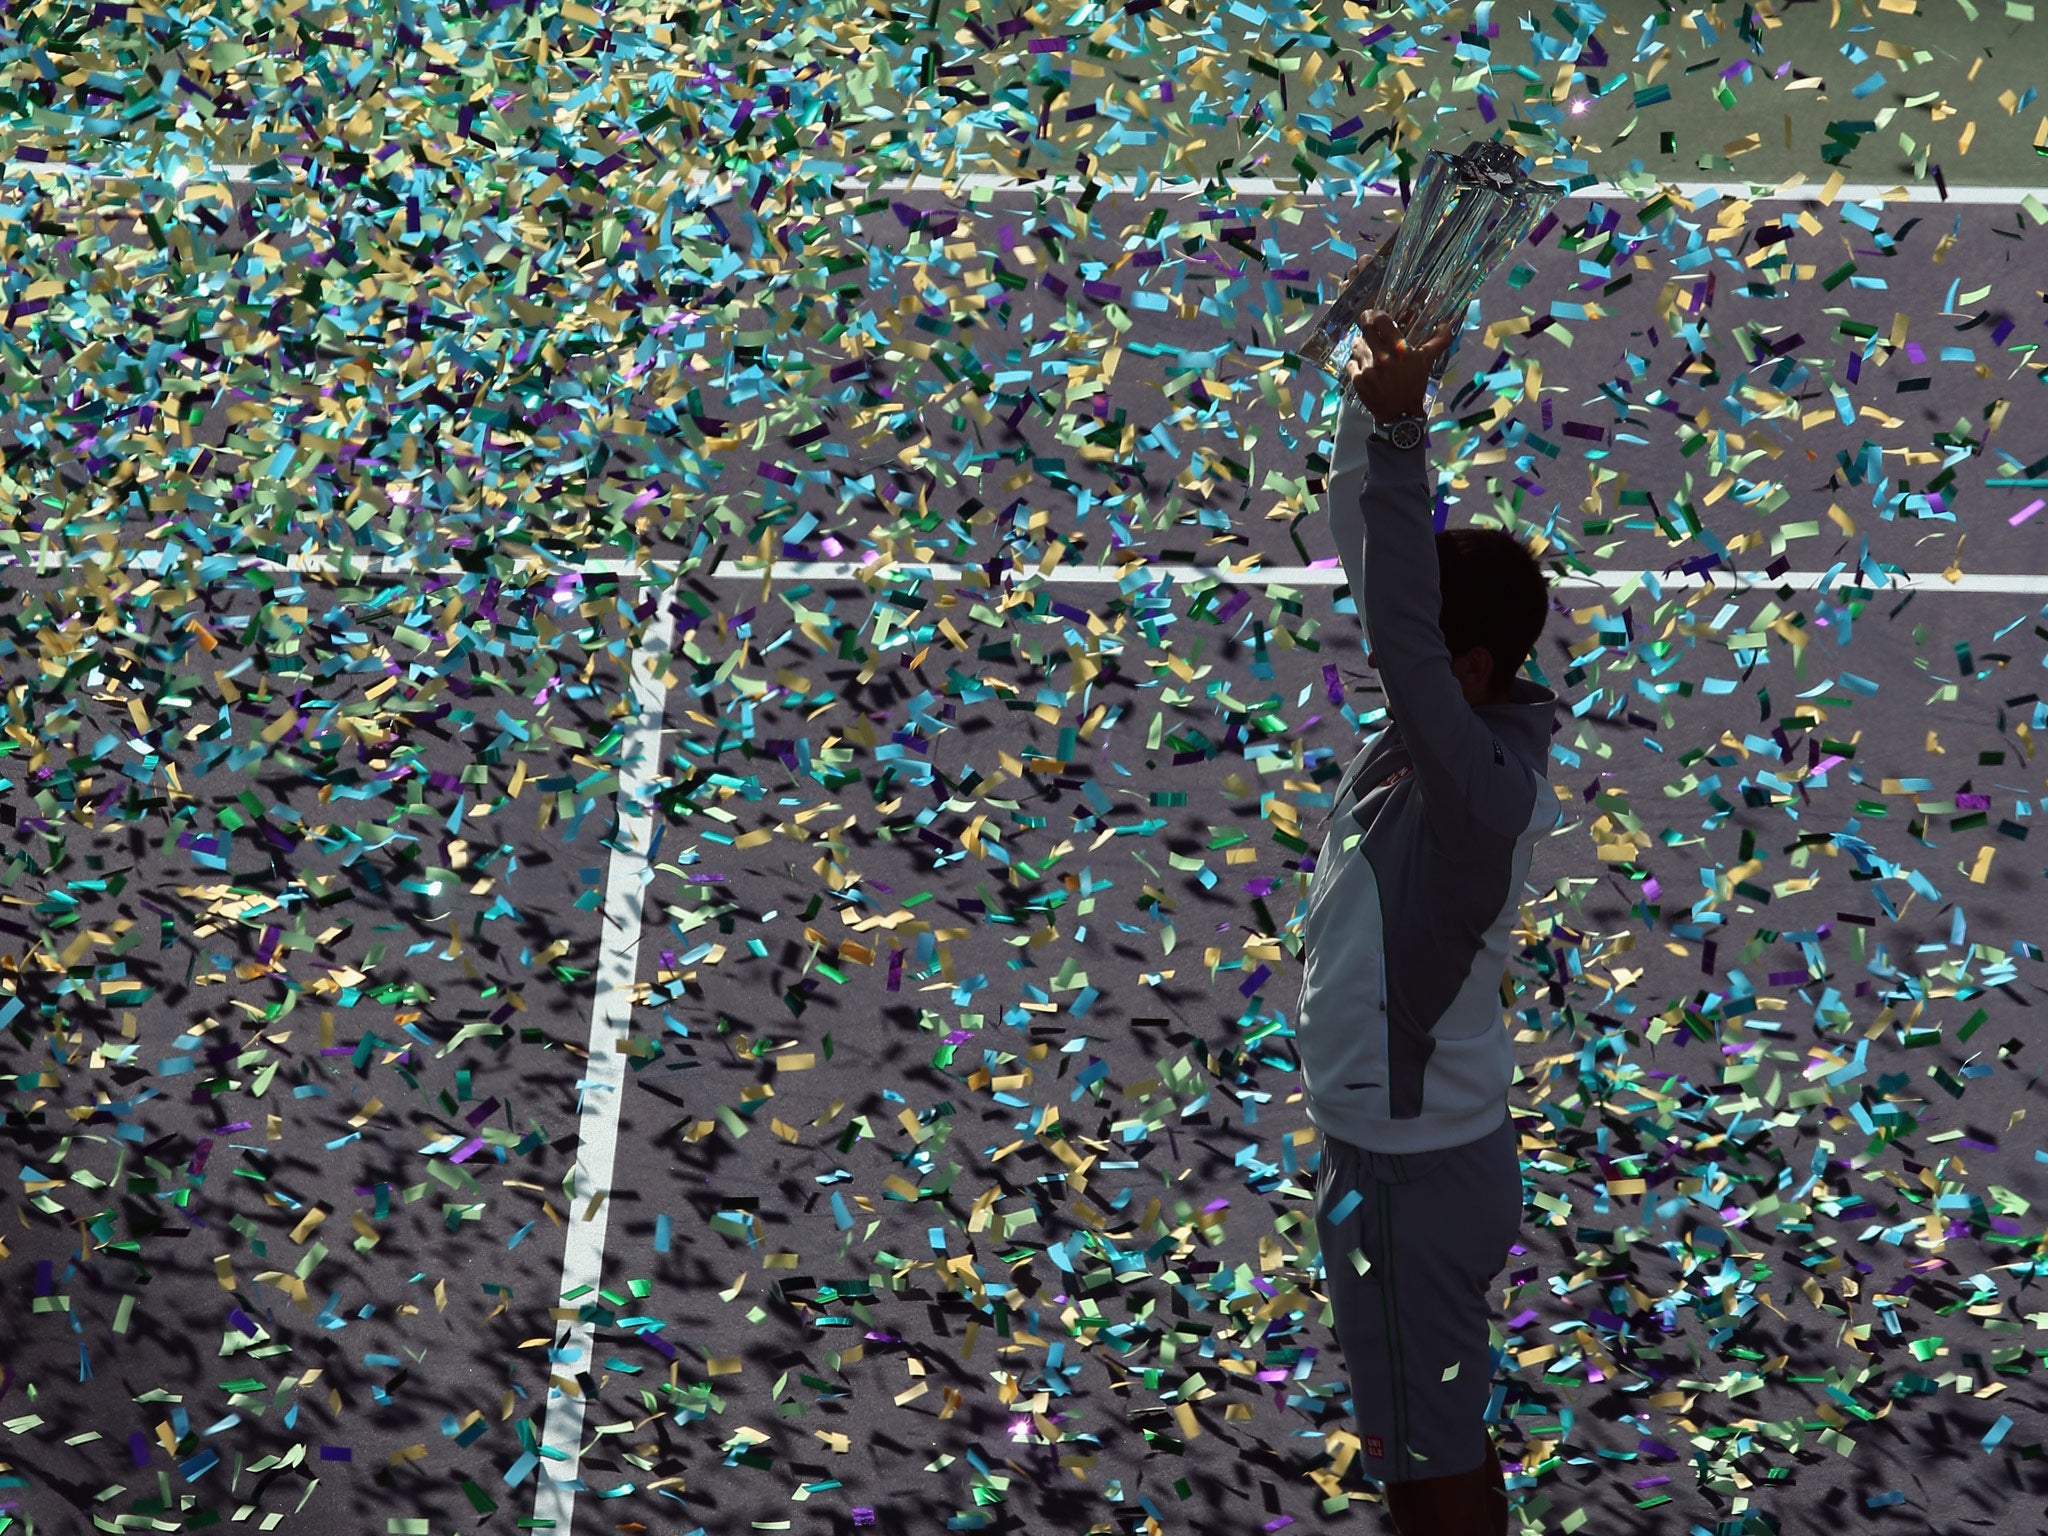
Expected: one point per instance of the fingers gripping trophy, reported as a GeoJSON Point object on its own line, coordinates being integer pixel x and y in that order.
{"type": "Point", "coordinates": [1469, 210]}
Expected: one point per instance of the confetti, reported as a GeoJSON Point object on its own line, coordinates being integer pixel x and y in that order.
{"type": "Point", "coordinates": [339, 498]}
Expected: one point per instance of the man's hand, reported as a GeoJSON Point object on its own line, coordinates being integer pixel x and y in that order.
{"type": "Point", "coordinates": [1389, 376]}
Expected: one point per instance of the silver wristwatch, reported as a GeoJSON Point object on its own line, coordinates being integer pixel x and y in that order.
{"type": "Point", "coordinates": [1402, 431]}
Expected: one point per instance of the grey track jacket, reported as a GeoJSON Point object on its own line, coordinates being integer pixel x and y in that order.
{"type": "Point", "coordinates": [1402, 1030]}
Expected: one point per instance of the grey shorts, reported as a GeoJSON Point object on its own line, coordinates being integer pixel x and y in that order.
{"type": "Point", "coordinates": [1435, 1228]}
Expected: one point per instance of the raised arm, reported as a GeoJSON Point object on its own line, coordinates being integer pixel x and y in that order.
{"type": "Point", "coordinates": [1401, 603]}
{"type": "Point", "coordinates": [1346, 489]}
{"type": "Point", "coordinates": [1401, 598]}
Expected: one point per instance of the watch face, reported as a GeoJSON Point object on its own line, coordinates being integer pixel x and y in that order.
{"type": "Point", "coordinates": [1406, 434]}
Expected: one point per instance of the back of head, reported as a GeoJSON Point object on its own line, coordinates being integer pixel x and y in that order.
{"type": "Point", "coordinates": [1494, 594]}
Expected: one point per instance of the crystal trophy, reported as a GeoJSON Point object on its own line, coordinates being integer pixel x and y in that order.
{"type": "Point", "coordinates": [1468, 211]}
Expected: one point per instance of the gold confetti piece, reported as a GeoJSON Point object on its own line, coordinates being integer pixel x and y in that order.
{"type": "Point", "coordinates": [307, 1224]}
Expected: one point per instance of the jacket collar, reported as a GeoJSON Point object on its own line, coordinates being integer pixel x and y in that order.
{"type": "Point", "coordinates": [1523, 720]}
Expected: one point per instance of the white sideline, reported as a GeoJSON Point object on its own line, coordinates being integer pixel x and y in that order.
{"type": "Point", "coordinates": [1797, 189]}
{"type": "Point", "coordinates": [1333, 576]}
{"type": "Point", "coordinates": [350, 568]}
{"type": "Point", "coordinates": [597, 1124]}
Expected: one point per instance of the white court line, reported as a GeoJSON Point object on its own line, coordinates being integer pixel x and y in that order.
{"type": "Point", "coordinates": [1333, 576]}
{"type": "Point", "coordinates": [349, 568]}
{"type": "Point", "coordinates": [1797, 189]}
{"type": "Point", "coordinates": [604, 1078]}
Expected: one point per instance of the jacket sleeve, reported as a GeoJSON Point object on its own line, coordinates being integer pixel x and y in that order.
{"type": "Point", "coordinates": [1346, 489]}
{"type": "Point", "coordinates": [1467, 782]}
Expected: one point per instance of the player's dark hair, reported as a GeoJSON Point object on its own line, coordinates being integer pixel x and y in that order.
{"type": "Point", "coordinates": [1494, 594]}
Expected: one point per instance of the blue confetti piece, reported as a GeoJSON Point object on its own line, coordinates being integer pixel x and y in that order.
{"type": "Point", "coordinates": [1344, 1207]}
{"type": "Point", "coordinates": [840, 1216]}
{"type": "Point", "coordinates": [1884, 1500]}
{"type": "Point", "coordinates": [1996, 1433]}
{"type": "Point", "coordinates": [662, 1229]}
{"type": "Point", "coordinates": [518, 1237]}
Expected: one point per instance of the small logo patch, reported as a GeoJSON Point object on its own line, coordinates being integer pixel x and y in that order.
{"type": "Point", "coordinates": [1375, 1448]}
